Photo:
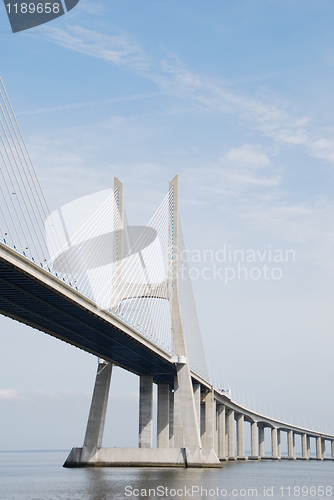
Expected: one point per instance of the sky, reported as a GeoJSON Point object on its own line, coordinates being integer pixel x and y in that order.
{"type": "Point", "coordinates": [237, 99]}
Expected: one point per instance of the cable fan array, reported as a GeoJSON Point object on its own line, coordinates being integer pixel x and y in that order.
{"type": "Point", "coordinates": [141, 283]}
{"type": "Point", "coordinates": [23, 208]}
{"type": "Point", "coordinates": [90, 253]}
{"type": "Point", "coordinates": [122, 268]}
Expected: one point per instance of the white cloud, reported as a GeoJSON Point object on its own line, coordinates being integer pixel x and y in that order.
{"type": "Point", "coordinates": [8, 394]}
{"type": "Point", "coordinates": [248, 155]}
{"type": "Point", "coordinates": [44, 394]}
{"type": "Point", "coordinates": [242, 179]}
{"type": "Point", "coordinates": [323, 148]}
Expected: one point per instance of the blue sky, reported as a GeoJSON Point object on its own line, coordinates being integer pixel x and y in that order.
{"type": "Point", "coordinates": [235, 97]}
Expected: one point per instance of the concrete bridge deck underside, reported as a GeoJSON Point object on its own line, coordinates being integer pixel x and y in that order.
{"type": "Point", "coordinates": [34, 296]}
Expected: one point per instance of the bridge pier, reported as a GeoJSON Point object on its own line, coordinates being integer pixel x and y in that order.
{"type": "Point", "coordinates": [254, 441]}
{"type": "Point", "coordinates": [208, 438]}
{"type": "Point", "coordinates": [274, 453]}
{"type": "Point", "coordinates": [215, 442]}
{"type": "Point", "coordinates": [230, 433]}
{"type": "Point", "coordinates": [163, 416]}
{"type": "Point", "coordinates": [261, 442]}
{"type": "Point", "coordinates": [145, 411]}
{"type": "Point", "coordinates": [279, 446]}
{"type": "Point", "coordinates": [332, 449]}
{"type": "Point", "coordinates": [98, 410]}
{"type": "Point", "coordinates": [226, 432]}
{"type": "Point", "coordinates": [221, 432]}
{"type": "Point", "coordinates": [304, 446]}
{"type": "Point", "coordinates": [177, 419]}
{"type": "Point", "coordinates": [318, 448]}
{"type": "Point", "coordinates": [171, 418]}
{"type": "Point", "coordinates": [240, 437]}
{"type": "Point", "coordinates": [291, 445]}
{"type": "Point", "coordinates": [323, 448]}
{"type": "Point", "coordinates": [197, 398]}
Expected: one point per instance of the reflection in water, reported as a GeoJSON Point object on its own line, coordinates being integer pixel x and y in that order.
{"type": "Point", "coordinates": [40, 476]}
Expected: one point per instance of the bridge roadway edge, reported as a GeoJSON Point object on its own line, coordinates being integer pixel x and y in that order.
{"type": "Point", "coordinates": [64, 313]}
{"type": "Point", "coordinates": [251, 416]}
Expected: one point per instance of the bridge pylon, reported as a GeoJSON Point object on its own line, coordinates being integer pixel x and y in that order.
{"type": "Point", "coordinates": [186, 421]}
{"type": "Point", "coordinates": [179, 441]}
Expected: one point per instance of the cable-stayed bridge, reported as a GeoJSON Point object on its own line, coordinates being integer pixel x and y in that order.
{"type": "Point", "coordinates": [123, 293]}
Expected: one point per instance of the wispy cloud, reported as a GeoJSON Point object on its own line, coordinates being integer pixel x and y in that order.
{"type": "Point", "coordinates": [117, 49]}
{"type": "Point", "coordinates": [272, 119]}
{"type": "Point", "coordinates": [92, 7]}
{"type": "Point", "coordinates": [8, 394]}
{"type": "Point", "coordinates": [269, 116]}
{"type": "Point", "coordinates": [89, 104]}
{"type": "Point", "coordinates": [253, 201]}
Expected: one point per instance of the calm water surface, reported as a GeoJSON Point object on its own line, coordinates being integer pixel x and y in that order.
{"type": "Point", "coordinates": [40, 476]}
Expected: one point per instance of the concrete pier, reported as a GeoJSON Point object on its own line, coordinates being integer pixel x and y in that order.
{"type": "Point", "coordinates": [230, 432]}
{"type": "Point", "coordinates": [261, 442]}
{"type": "Point", "coordinates": [254, 440]}
{"type": "Point", "coordinates": [215, 430]}
{"type": "Point", "coordinates": [221, 432]}
{"type": "Point", "coordinates": [318, 447]}
{"type": "Point", "coordinates": [308, 440]}
{"type": "Point", "coordinates": [197, 398]}
{"type": "Point", "coordinates": [145, 411]}
{"type": "Point", "coordinates": [279, 446]}
{"type": "Point", "coordinates": [274, 453]}
{"type": "Point", "coordinates": [208, 440]}
{"type": "Point", "coordinates": [178, 427]}
{"type": "Point", "coordinates": [323, 448]}
{"type": "Point", "coordinates": [304, 446]}
{"type": "Point", "coordinates": [171, 418]}
{"type": "Point", "coordinates": [136, 457]}
{"type": "Point", "coordinates": [240, 436]}
{"type": "Point", "coordinates": [98, 409]}
{"type": "Point", "coordinates": [290, 445]}
{"type": "Point", "coordinates": [163, 416]}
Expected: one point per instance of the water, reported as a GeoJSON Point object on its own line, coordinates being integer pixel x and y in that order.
{"type": "Point", "coordinates": [40, 476]}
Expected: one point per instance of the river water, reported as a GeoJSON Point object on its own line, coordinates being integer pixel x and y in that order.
{"type": "Point", "coordinates": [40, 476]}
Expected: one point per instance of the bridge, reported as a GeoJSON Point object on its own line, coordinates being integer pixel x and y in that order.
{"type": "Point", "coordinates": [123, 293]}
